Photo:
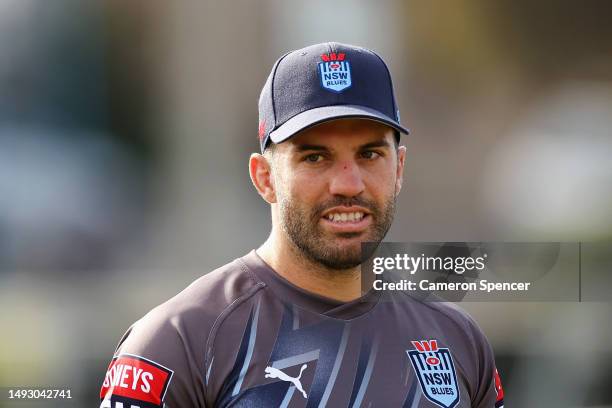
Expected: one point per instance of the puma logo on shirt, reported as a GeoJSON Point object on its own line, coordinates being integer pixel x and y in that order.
{"type": "Point", "coordinates": [272, 372]}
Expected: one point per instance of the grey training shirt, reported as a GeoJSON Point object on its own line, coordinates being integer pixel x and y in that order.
{"type": "Point", "coordinates": [242, 336]}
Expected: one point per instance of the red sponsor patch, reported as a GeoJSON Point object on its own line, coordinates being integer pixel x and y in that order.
{"type": "Point", "coordinates": [499, 390]}
{"type": "Point", "coordinates": [136, 378]}
{"type": "Point", "coordinates": [261, 132]}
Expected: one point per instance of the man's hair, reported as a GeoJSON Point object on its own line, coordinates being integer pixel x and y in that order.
{"type": "Point", "coordinates": [270, 148]}
{"type": "Point", "coordinates": [270, 152]}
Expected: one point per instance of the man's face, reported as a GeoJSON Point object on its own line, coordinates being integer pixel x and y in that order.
{"type": "Point", "coordinates": [336, 185]}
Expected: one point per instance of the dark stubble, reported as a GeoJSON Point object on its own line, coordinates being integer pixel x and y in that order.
{"type": "Point", "coordinates": [303, 228]}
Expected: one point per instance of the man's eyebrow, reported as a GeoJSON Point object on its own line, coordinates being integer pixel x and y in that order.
{"type": "Point", "coordinates": [311, 147]}
{"type": "Point", "coordinates": [378, 143]}
{"type": "Point", "coordinates": [306, 147]}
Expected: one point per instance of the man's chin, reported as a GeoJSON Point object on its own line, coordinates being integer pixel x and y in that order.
{"type": "Point", "coordinates": [339, 255]}
{"type": "Point", "coordinates": [339, 250]}
{"type": "Point", "coordinates": [341, 263]}
{"type": "Point", "coordinates": [345, 241]}
{"type": "Point", "coordinates": [349, 235]}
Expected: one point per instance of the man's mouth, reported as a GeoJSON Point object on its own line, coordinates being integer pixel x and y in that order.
{"type": "Point", "coordinates": [345, 217]}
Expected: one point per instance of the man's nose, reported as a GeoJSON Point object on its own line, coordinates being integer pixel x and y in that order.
{"type": "Point", "coordinates": [346, 180]}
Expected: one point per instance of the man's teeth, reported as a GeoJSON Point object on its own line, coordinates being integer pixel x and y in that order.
{"type": "Point", "coordinates": [345, 217]}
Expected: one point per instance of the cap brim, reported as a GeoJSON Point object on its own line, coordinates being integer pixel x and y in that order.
{"type": "Point", "coordinates": [315, 116]}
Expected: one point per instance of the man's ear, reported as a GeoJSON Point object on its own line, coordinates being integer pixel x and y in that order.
{"type": "Point", "coordinates": [261, 176]}
{"type": "Point", "coordinates": [401, 157]}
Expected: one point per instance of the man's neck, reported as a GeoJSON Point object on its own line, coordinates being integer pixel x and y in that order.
{"type": "Point", "coordinates": [287, 261]}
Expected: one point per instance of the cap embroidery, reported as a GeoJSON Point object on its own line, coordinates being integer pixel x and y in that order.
{"type": "Point", "coordinates": [335, 72]}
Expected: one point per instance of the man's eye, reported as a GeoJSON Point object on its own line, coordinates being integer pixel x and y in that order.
{"type": "Point", "coordinates": [369, 154]}
{"type": "Point", "coordinates": [314, 158]}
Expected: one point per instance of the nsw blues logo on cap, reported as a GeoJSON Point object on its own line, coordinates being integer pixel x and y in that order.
{"type": "Point", "coordinates": [335, 72]}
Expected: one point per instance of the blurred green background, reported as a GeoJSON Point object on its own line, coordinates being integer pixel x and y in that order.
{"type": "Point", "coordinates": [125, 129]}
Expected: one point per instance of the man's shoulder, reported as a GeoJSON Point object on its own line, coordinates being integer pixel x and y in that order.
{"type": "Point", "coordinates": [172, 339]}
{"type": "Point", "coordinates": [212, 293]}
{"type": "Point", "coordinates": [199, 307]}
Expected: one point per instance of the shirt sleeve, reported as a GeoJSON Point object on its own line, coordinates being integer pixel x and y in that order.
{"type": "Point", "coordinates": [489, 393]}
{"type": "Point", "coordinates": [154, 366]}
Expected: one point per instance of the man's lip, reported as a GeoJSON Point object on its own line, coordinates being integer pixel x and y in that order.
{"type": "Point", "coordinates": [344, 209]}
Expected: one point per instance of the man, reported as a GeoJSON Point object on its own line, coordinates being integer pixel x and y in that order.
{"type": "Point", "coordinates": [287, 325]}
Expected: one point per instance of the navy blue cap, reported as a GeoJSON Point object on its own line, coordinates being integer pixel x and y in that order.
{"type": "Point", "coordinates": [324, 82]}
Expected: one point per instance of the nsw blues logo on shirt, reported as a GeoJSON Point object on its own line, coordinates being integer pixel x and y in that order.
{"type": "Point", "coordinates": [335, 72]}
{"type": "Point", "coordinates": [436, 372]}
